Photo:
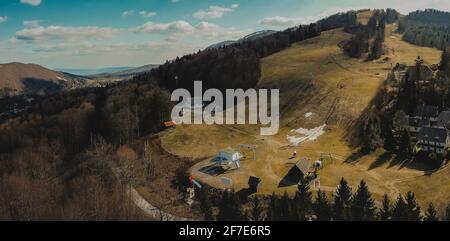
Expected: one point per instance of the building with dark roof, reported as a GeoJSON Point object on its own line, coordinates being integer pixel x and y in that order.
{"type": "Point", "coordinates": [433, 139]}
{"type": "Point", "coordinates": [427, 112]}
{"type": "Point", "coordinates": [443, 120]}
{"type": "Point", "coordinates": [415, 124]}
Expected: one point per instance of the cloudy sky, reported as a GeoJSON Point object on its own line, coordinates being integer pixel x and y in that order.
{"type": "Point", "coordinates": [111, 33]}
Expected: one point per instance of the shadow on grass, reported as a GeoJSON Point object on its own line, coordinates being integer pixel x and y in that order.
{"type": "Point", "coordinates": [420, 162]}
{"type": "Point", "coordinates": [354, 157]}
{"type": "Point", "coordinates": [381, 160]}
{"type": "Point", "coordinates": [212, 170]}
{"type": "Point", "coordinates": [292, 178]}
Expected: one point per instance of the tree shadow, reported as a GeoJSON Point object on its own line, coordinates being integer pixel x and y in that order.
{"type": "Point", "coordinates": [381, 160]}
{"type": "Point", "coordinates": [354, 157]}
{"type": "Point", "coordinates": [420, 162]}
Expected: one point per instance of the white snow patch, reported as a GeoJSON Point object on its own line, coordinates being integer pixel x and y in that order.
{"type": "Point", "coordinates": [61, 78]}
{"type": "Point", "coordinates": [306, 135]}
{"type": "Point", "coordinates": [309, 114]}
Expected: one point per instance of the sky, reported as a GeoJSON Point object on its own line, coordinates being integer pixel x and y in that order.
{"type": "Point", "coordinates": [113, 33]}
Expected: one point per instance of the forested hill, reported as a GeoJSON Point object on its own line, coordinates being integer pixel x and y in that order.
{"type": "Point", "coordinates": [431, 17]}
{"type": "Point", "coordinates": [238, 65]}
{"type": "Point", "coordinates": [429, 28]}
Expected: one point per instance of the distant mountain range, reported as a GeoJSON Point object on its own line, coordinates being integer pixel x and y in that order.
{"type": "Point", "coordinates": [19, 78]}
{"type": "Point", "coordinates": [250, 37]}
{"type": "Point", "coordinates": [87, 72]}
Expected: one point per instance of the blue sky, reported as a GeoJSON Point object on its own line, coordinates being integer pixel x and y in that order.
{"type": "Point", "coordinates": [108, 33]}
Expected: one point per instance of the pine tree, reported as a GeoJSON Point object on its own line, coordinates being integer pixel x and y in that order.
{"type": "Point", "coordinates": [363, 206]}
{"type": "Point", "coordinates": [206, 205]}
{"type": "Point", "coordinates": [303, 200]}
{"type": "Point", "coordinates": [322, 208]}
{"type": "Point", "coordinates": [400, 212]}
{"type": "Point", "coordinates": [405, 143]}
{"type": "Point", "coordinates": [286, 209]}
{"type": "Point", "coordinates": [256, 213]}
{"type": "Point", "coordinates": [431, 215]}
{"type": "Point", "coordinates": [445, 61]}
{"type": "Point", "coordinates": [342, 201]}
{"type": "Point", "coordinates": [385, 211]}
{"type": "Point", "coordinates": [273, 214]}
{"type": "Point", "coordinates": [230, 208]}
{"type": "Point", "coordinates": [377, 46]}
{"type": "Point", "coordinates": [412, 207]}
{"type": "Point", "coordinates": [447, 213]}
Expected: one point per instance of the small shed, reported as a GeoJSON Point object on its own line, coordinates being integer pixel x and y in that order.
{"type": "Point", "coordinates": [169, 124]}
{"type": "Point", "coordinates": [304, 166]}
{"type": "Point", "coordinates": [253, 184]}
{"type": "Point", "coordinates": [228, 156]}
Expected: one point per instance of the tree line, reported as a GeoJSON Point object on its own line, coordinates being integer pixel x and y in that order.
{"type": "Point", "coordinates": [429, 28]}
{"type": "Point", "coordinates": [344, 206]}
{"type": "Point", "coordinates": [237, 65]}
{"type": "Point", "coordinates": [361, 42]}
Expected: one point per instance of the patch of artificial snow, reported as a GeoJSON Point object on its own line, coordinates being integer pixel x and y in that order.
{"type": "Point", "coordinates": [61, 78]}
{"type": "Point", "coordinates": [308, 115]}
{"type": "Point", "coordinates": [306, 135]}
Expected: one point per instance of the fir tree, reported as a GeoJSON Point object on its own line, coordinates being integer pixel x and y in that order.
{"type": "Point", "coordinates": [447, 213]}
{"type": "Point", "coordinates": [412, 207]}
{"type": "Point", "coordinates": [400, 212]}
{"type": "Point", "coordinates": [405, 142]}
{"type": "Point", "coordinates": [321, 207]}
{"type": "Point", "coordinates": [385, 211]}
{"type": "Point", "coordinates": [257, 211]}
{"type": "Point", "coordinates": [273, 214]}
{"type": "Point", "coordinates": [303, 200]}
{"type": "Point", "coordinates": [230, 208]}
{"type": "Point", "coordinates": [377, 46]}
{"type": "Point", "coordinates": [342, 201]}
{"type": "Point", "coordinates": [445, 61]}
{"type": "Point", "coordinates": [363, 206]}
{"type": "Point", "coordinates": [431, 215]}
{"type": "Point", "coordinates": [206, 205]}
{"type": "Point", "coordinates": [286, 209]}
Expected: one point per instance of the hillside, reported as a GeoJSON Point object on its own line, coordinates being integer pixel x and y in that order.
{"type": "Point", "coordinates": [18, 78]}
{"type": "Point", "coordinates": [93, 140]}
{"type": "Point", "coordinates": [319, 86]}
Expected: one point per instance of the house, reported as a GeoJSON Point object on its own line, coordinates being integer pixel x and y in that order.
{"type": "Point", "coordinates": [416, 124]}
{"type": "Point", "coordinates": [433, 139]}
{"type": "Point", "coordinates": [426, 112]}
{"type": "Point", "coordinates": [304, 165]}
{"type": "Point", "coordinates": [443, 120]}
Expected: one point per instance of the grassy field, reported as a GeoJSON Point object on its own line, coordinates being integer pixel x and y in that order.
{"type": "Point", "coordinates": [315, 76]}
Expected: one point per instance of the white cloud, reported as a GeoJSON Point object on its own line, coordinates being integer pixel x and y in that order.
{"type": "Point", "coordinates": [31, 2]}
{"type": "Point", "coordinates": [214, 12]}
{"type": "Point", "coordinates": [34, 32]}
{"type": "Point", "coordinates": [3, 19]}
{"type": "Point", "coordinates": [31, 24]}
{"type": "Point", "coordinates": [280, 21]}
{"type": "Point", "coordinates": [128, 13]}
{"type": "Point", "coordinates": [179, 26]}
{"type": "Point", "coordinates": [146, 14]}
